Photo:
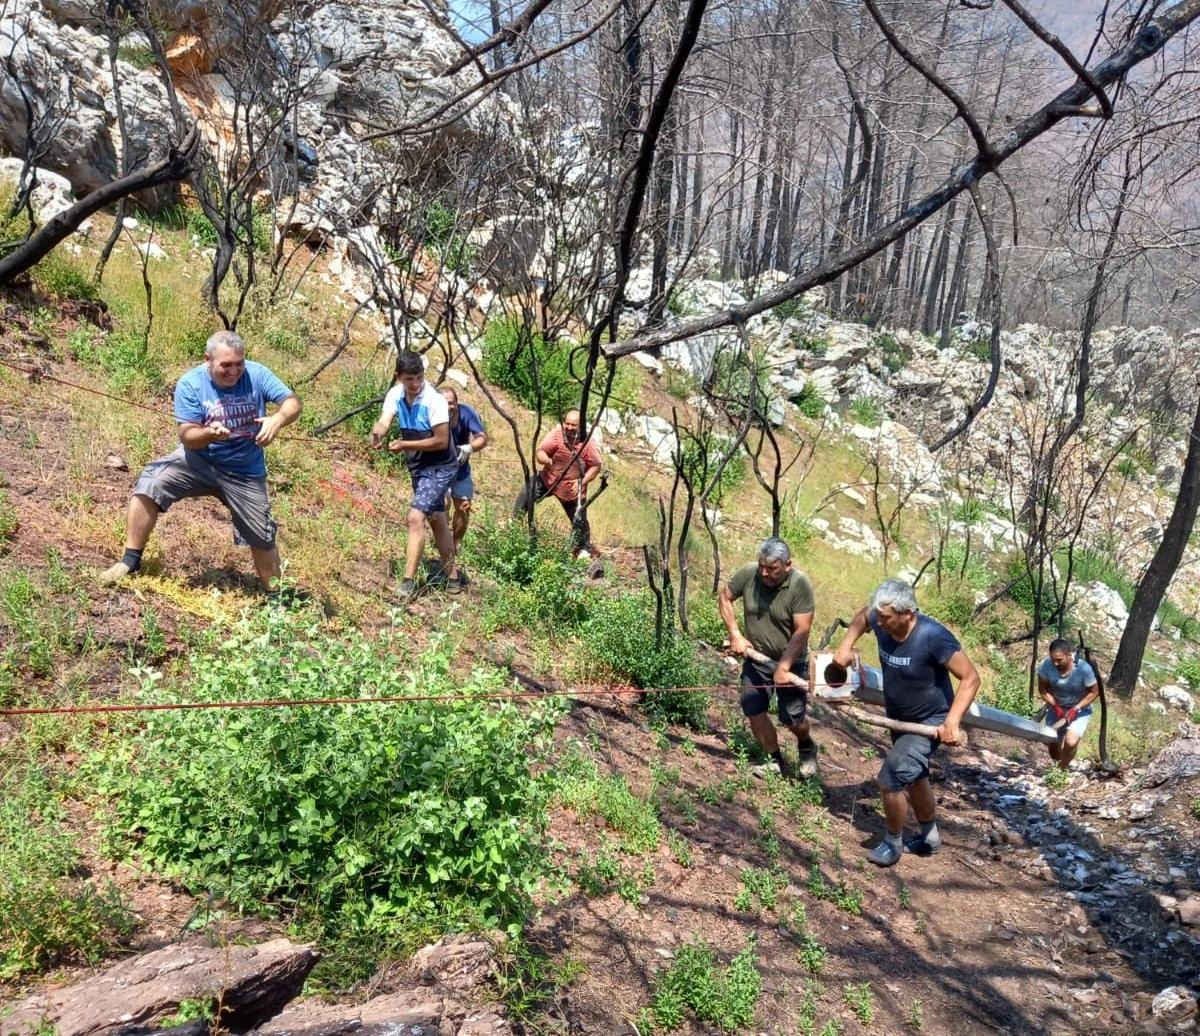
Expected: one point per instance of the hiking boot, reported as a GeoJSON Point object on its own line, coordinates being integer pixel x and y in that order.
{"type": "Point", "coordinates": [406, 591]}
{"type": "Point", "coordinates": [808, 760]}
{"type": "Point", "coordinates": [456, 585]}
{"type": "Point", "coordinates": [113, 575]}
{"type": "Point", "coordinates": [884, 855]}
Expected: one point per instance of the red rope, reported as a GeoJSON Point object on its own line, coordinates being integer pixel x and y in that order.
{"type": "Point", "coordinates": [278, 703]}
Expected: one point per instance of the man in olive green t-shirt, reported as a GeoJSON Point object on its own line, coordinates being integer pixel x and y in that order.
{"type": "Point", "coordinates": [778, 608]}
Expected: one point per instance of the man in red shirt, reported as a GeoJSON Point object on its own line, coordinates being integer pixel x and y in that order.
{"type": "Point", "coordinates": [567, 467]}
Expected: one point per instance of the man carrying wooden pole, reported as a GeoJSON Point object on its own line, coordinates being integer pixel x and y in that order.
{"type": "Point", "coordinates": [918, 656]}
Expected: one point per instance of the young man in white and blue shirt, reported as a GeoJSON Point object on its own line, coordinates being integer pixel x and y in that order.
{"type": "Point", "coordinates": [422, 418]}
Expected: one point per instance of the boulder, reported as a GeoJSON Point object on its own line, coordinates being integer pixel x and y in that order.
{"type": "Point", "coordinates": [251, 983]}
{"type": "Point", "coordinates": [1177, 698]}
{"type": "Point", "coordinates": [1174, 1005]}
{"type": "Point", "coordinates": [52, 194]}
{"type": "Point", "coordinates": [189, 54]}
{"type": "Point", "coordinates": [1180, 759]}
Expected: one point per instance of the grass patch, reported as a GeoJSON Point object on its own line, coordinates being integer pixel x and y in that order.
{"type": "Point", "coordinates": [589, 793]}
{"type": "Point", "coordinates": [724, 997]}
{"type": "Point", "coordinates": [47, 916]}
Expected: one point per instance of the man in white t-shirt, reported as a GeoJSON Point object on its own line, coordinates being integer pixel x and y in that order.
{"type": "Point", "coordinates": [423, 420]}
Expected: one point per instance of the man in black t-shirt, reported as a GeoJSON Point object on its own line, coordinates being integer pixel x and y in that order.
{"type": "Point", "coordinates": [918, 656]}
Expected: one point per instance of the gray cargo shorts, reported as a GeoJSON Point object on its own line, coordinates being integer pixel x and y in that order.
{"type": "Point", "coordinates": [908, 760]}
{"type": "Point", "coordinates": [186, 473]}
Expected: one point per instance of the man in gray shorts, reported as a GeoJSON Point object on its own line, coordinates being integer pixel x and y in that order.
{"type": "Point", "coordinates": [221, 407]}
{"type": "Point", "coordinates": [918, 656]}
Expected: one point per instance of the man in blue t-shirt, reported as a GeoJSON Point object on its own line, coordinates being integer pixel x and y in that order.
{"type": "Point", "coordinates": [469, 437]}
{"type": "Point", "coordinates": [1068, 688]}
{"type": "Point", "coordinates": [420, 414]}
{"type": "Point", "coordinates": [221, 407]}
{"type": "Point", "coordinates": [918, 656]}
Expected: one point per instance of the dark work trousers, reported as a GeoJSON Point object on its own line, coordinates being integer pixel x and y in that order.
{"type": "Point", "coordinates": [581, 533]}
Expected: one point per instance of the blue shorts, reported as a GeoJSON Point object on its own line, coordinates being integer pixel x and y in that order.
{"type": "Point", "coordinates": [430, 486]}
{"type": "Point", "coordinates": [908, 760]}
{"type": "Point", "coordinates": [463, 488]}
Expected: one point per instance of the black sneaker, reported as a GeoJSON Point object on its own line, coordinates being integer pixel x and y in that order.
{"type": "Point", "coordinates": [919, 846]}
{"type": "Point", "coordinates": [406, 591]}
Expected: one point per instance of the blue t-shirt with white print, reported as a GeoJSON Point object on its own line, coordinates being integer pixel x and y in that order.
{"type": "Point", "coordinates": [916, 682]}
{"type": "Point", "coordinates": [200, 400]}
{"type": "Point", "coordinates": [1069, 689]}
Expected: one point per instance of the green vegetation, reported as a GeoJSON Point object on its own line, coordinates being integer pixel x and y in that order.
{"type": "Point", "coordinates": [867, 410]}
{"type": "Point", "coordinates": [47, 916]}
{"type": "Point", "coordinates": [442, 236]}
{"type": "Point", "coordinates": [1094, 566]}
{"type": "Point", "coordinates": [59, 276]}
{"type": "Point", "coordinates": [761, 888]}
{"type": "Point", "coordinates": [585, 791]}
{"type": "Point", "coordinates": [547, 375]}
{"type": "Point", "coordinates": [1056, 778]}
{"type": "Point", "coordinates": [860, 1000]}
{"type": "Point", "coordinates": [372, 827]}
{"type": "Point", "coordinates": [9, 523]}
{"type": "Point", "coordinates": [724, 997]}
{"type": "Point", "coordinates": [701, 456]}
{"type": "Point", "coordinates": [141, 58]}
{"type": "Point", "coordinates": [810, 402]}
{"type": "Point", "coordinates": [892, 352]}
{"type": "Point", "coordinates": [840, 895]}
{"type": "Point", "coordinates": [125, 356]}
{"type": "Point", "coordinates": [914, 1017]}
{"type": "Point", "coordinates": [619, 643]}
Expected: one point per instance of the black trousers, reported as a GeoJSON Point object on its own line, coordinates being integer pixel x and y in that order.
{"type": "Point", "coordinates": [581, 532]}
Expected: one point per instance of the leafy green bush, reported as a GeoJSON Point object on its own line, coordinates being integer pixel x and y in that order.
{"type": "Point", "coordinates": [619, 641]}
{"type": "Point", "coordinates": [46, 916]}
{"type": "Point", "coordinates": [701, 454]}
{"type": "Point", "coordinates": [443, 238]}
{"type": "Point", "coordinates": [537, 372]}
{"type": "Point", "coordinates": [789, 308]}
{"type": "Point", "coordinates": [377, 825]}
{"type": "Point", "coordinates": [1093, 566]}
{"type": "Point", "coordinates": [9, 523]}
{"type": "Point", "coordinates": [200, 227]}
{"type": "Point", "coordinates": [57, 275]}
{"type": "Point", "coordinates": [1172, 617]}
{"type": "Point", "coordinates": [724, 997]}
{"type": "Point", "coordinates": [737, 374]}
{"type": "Point", "coordinates": [809, 401]}
{"type": "Point", "coordinates": [1010, 687]}
{"type": "Point", "coordinates": [1188, 669]}
{"type": "Point", "coordinates": [1023, 591]}
{"type": "Point", "coordinates": [971, 569]}
{"type": "Point", "coordinates": [141, 58]}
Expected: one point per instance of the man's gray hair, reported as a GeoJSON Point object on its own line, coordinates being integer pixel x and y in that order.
{"type": "Point", "coordinates": [895, 594]}
{"type": "Point", "coordinates": [775, 549]}
{"type": "Point", "coordinates": [223, 339]}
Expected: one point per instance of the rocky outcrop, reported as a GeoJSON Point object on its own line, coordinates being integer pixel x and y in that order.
{"type": "Point", "coordinates": [441, 991]}
{"type": "Point", "coordinates": [251, 983]}
{"type": "Point", "coordinates": [348, 63]}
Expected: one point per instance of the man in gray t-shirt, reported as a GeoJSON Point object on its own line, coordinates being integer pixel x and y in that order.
{"type": "Point", "coordinates": [777, 605]}
{"type": "Point", "coordinates": [1068, 688]}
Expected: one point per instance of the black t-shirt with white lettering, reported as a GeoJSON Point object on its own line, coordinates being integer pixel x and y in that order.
{"type": "Point", "coordinates": [916, 682]}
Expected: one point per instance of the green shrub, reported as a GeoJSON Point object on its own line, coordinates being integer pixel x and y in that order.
{"type": "Point", "coordinates": [9, 522]}
{"type": "Point", "coordinates": [724, 997]}
{"type": "Point", "coordinates": [537, 372]}
{"type": "Point", "coordinates": [735, 375]}
{"type": "Point", "coordinates": [59, 276]}
{"type": "Point", "coordinates": [47, 917]}
{"type": "Point", "coordinates": [1172, 617]}
{"type": "Point", "coordinates": [866, 410]}
{"type": "Point", "coordinates": [892, 352]}
{"type": "Point", "coordinates": [1023, 591]}
{"type": "Point", "coordinates": [1188, 669]}
{"type": "Point", "coordinates": [200, 227]}
{"type": "Point", "coordinates": [374, 825]}
{"type": "Point", "coordinates": [789, 308]}
{"type": "Point", "coordinates": [1010, 687]}
{"type": "Point", "coordinates": [1093, 566]}
{"type": "Point", "coordinates": [443, 238]}
{"type": "Point", "coordinates": [701, 455]}
{"type": "Point", "coordinates": [619, 640]}
{"type": "Point", "coordinates": [809, 401]}
{"type": "Point", "coordinates": [141, 58]}
{"type": "Point", "coordinates": [970, 569]}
